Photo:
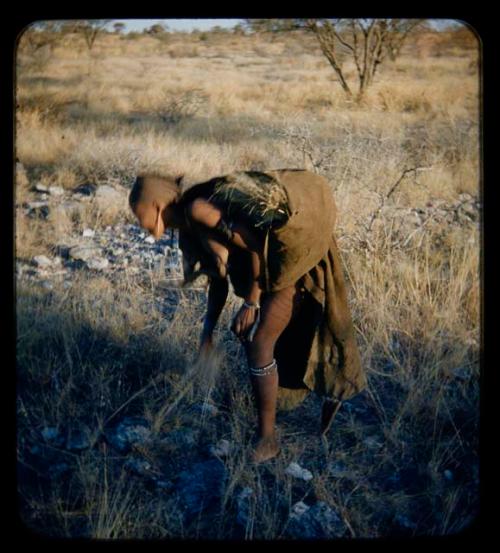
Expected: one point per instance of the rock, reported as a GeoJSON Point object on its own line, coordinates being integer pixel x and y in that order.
{"type": "Point", "coordinates": [200, 486]}
{"type": "Point", "coordinates": [88, 233]}
{"type": "Point", "coordinates": [97, 263]}
{"type": "Point", "coordinates": [223, 448]}
{"type": "Point", "coordinates": [77, 439]}
{"type": "Point", "coordinates": [42, 261]}
{"type": "Point", "coordinates": [139, 466]}
{"type": "Point", "coordinates": [86, 189]}
{"type": "Point", "coordinates": [149, 240]}
{"type": "Point", "coordinates": [319, 521]}
{"type": "Point", "coordinates": [448, 475]}
{"type": "Point", "coordinates": [164, 485]}
{"type": "Point", "coordinates": [129, 432]}
{"type": "Point", "coordinates": [206, 408]}
{"type": "Point", "coordinates": [84, 253]}
{"type": "Point", "coordinates": [38, 209]}
{"type": "Point", "coordinates": [296, 471]}
{"type": "Point", "coordinates": [180, 437]}
{"type": "Point", "coordinates": [108, 198]}
{"type": "Point", "coordinates": [58, 470]}
{"type": "Point", "coordinates": [404, 522]}
{"type": "Point", "coordinates": [47, 285]}
{"type": "Point", "coordinates": [339, 470]}
{"type": "Point", "coordinates": [461, 373]}
{"type": "Point", "coordinates": [39, 187]}
{"type": "Point", "coordinates": [55, 190]}
{"type": "Point", "coordinates": [372, 442]}
{"type": "Point", "coordinates": [53, 436]}
{"type": "Point", "coordinates": [244, 506]}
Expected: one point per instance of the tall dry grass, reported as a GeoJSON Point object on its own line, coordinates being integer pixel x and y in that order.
{"type": "Point", "coordinates": [97, 351]}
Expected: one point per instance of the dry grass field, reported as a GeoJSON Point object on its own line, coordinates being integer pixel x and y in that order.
{"type": "Point", "coordinates": [95, 347]}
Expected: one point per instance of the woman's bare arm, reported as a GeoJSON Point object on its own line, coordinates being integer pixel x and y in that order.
{"type": "Point", "coordinates": [205, 213]}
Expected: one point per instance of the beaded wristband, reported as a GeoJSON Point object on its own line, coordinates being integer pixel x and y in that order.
{"type": "Point", "coordinates": [251, 305]}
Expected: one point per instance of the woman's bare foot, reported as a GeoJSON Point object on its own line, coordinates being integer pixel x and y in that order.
{"type": "Point", "coordinates": [266, 448]}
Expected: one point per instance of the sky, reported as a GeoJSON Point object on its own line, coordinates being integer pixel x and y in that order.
{"type": "Point", "coordinates": [177, 24]}
{"type": "Point", "coordinates": [206, 24]}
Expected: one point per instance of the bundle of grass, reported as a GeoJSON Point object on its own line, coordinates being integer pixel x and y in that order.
{"type": "Point", "coordinates": [254, 196]}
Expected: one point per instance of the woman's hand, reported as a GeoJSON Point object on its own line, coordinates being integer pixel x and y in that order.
{"type": "Point", "coordinates": [243, 321]}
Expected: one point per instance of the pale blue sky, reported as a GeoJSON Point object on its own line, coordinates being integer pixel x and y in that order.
{"type": "Point", "coordinates": [177, 24]}
{"type": "Point", "coordinates": [206, 24]}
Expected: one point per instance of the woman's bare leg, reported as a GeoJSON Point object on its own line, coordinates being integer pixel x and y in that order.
{"type": "Point", "coordinates": [276, 312]}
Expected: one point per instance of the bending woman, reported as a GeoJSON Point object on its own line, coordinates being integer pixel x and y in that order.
{"type": "Point", "coordinates": [271, 234]}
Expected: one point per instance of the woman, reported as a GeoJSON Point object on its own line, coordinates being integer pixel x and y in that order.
{"type": "Point", "coordinates": [272, 235]}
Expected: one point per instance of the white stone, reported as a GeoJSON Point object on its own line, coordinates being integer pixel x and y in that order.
{"type": "Point", "coordinates": [97, 263]}
{"type": "Point", "coordinates": [39, 187]}
{"type": "Point", "coordinates": [223, 448]}
{"type": "Point", "coordinates": [42, 261]}
{"type": "Point", "coordinates": [88, 233]}
{"type": "Point", "coordinates": [372, 443]}
{"type": "Point", "coordinates": [56, 190]}
{"type": "Point", "coordinates": [296, 471]}
{"type": "Point", "coordinates": [299, 509]}
{"type": "Point", "coordinates": [84, 253]}
{"type": "Point", "coordinates": [150, 239]}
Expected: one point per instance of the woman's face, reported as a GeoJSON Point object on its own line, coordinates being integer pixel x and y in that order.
{"type": "Point", "coordinates": [150, 219]}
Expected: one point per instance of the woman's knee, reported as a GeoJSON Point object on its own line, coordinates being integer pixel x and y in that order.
{"type": "Point", "coordinates": [260, 351]}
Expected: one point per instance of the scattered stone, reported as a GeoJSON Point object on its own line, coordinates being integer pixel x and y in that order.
{"type": "Point", "coordinates": [206, 408]}
{"type": "Point", "coordinates": [339, 470]}
{"type": "Point", "coordinates": [200, 486]}
{"type": "Point", "coordinates": [42, 261]}
{"type": "Point", "coordinates": [77, 439]}
{"type": "Point", "coordinates": [47, 285]}
{"type": "Point", "coordinates": [58, 470]}
{"type": "Point", "coordinates": [372, 442]}
{"type": "Point", "coordinates": [35, 209]}
{"type": "Point", "coordinates": [405, 522]}
{"type": "Point", "coordinates": [86, 189]}
{"type": "Point", "coordinates": [461, 373]}
{"type": "Point", "coordinates": [244, 506]}
{"type": "Point", "coordinates": [88, 233]}
{"type": "Point", "coordinates": [139, 466]}
{"type": "Point", "coordinates": [296, 471]}
{"type": "Point", "coordinates": [129, 432]}
{"type": "Point", "coordinates": [53, 436]}
{"type": "Point", "coordinates": [84, 253]}
{"type": "Point", "coordinates": [97, 263]}
{"type": "Point", "coordinates": [223, 448]}
{"type": "Point", "coordinates": [39, 187]}
{"type": "Point", "coordinates": [180, 437]}
{"type": "Point", "coordinates": [319, 521]}
{"type": "Point", "coordinates": [55, 190]}
{"type": "Point", "coordinates": [149, 240]}
{"type": "Point", "coordinates": [164, 485]}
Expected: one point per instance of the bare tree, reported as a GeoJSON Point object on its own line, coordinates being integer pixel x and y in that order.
{"type": "Point", "coordinates": [368, 42]}
{"type": "Point", "coordinates": [90, 29]}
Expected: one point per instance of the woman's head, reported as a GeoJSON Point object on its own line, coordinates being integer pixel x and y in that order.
{"type": "Point", "coordinates": [153, 199]}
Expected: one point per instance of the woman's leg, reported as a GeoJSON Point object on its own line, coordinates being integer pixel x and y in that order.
{"type": "Point", "coordinates": [276, 312]}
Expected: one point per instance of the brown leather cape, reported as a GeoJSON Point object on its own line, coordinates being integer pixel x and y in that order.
{"type": "Point", "coordinates": [317, 351]}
